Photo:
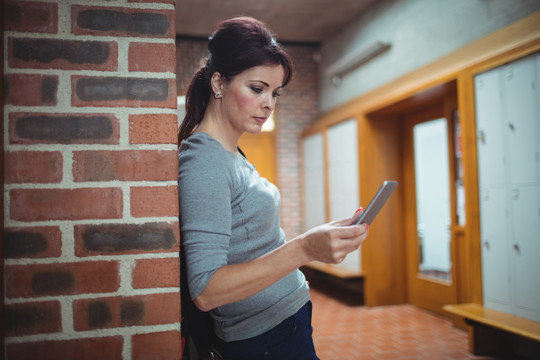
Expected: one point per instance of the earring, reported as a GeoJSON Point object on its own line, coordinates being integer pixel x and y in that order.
{"type": "Point", "coordinates": [217, 95]}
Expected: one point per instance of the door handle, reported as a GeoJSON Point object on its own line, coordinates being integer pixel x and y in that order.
{"type": "Point", "coordinates": [482, 137]}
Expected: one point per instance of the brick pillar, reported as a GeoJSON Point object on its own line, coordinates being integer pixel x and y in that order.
{"type": "Point", "coordinates": [91, 233]}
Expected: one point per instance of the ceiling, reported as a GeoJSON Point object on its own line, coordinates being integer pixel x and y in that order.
{"type": "Point", "coordinates": [304, 21]}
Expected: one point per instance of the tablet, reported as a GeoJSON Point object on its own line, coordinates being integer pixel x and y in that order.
{"type": "Point", "coordinates": [376, 204]}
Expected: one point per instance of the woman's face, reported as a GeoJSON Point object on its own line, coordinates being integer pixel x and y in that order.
{"type": "Point", "coordinates": [250, 97]}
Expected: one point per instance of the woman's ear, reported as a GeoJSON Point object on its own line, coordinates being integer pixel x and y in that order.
{"type": "Point", "coordinates": [216, 82]}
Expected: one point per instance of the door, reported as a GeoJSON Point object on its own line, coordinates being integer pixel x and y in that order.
{"type": "Point", "coordinates": [429, 188]}
{"type": "Point", "coordinates": [260, 150]}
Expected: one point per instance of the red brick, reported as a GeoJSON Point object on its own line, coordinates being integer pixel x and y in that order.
{"type": "Point", "coordinates": [156, 273]}
{"type": "Point", "coordinates": [58, 128]}
{"type": "Point", "coordinates": [152, 57]}
{"type": "Point", "coordinates": [32, 242]}
{"type": "Point", "coordinates": [31, 89]}
{"type": "Point", "coordinates": [66, 204]}
{"type": "Point", "coordinates": [130, 165]}
{"type": "Point", "coordinates": [123, 92]}
{"type": "Point", "coordinates": [154, 201]}
{"type": "Point", "coordinates": [24, 281]}
{"type": "Point", "coordinates": [33, 167]}
{"type": "Point", "coordinates": [153, 129]}
{"type": "Point", "coordinates": [104, 348]}
{"type": "Point", "coordinates": [33, 318]}
{"type": "Point", "coordinates": [62, 54]}
{"type": "Point", "coordinates": [162, 308]}
{"type": "Point", "coordinates": [156, 346]}
{"type": "Point", "coordinates": [26, 16]}
{"type": "Point", "coordinates": [87, 20]}
{"type": "Point", "coordinates": [116, 312]}
{"type": "Point", "coordinates": [146, 238]}
{"type": "Point", "coordinates": [153, 1]}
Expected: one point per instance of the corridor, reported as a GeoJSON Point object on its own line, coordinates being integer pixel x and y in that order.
{"type": "Point", "coordinates": [346, 330]}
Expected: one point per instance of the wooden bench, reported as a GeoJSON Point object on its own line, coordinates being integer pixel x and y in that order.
{"type": "Point", "coordinates": [493, 332]}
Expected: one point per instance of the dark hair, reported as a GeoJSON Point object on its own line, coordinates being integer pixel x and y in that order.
{"type": "Point", "coordinates": [236, 45]}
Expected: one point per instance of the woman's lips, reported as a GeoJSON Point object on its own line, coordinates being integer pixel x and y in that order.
{"type": "Point", "coordinates": [260, 120]}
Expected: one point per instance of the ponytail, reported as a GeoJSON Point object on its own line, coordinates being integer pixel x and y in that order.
{"type": "Point", "coordinates": [196, 101]}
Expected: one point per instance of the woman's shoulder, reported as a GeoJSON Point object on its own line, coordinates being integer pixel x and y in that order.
{"type": "Point", "coordinates": [201, 146]}
{"type": "Point", "coordinates": [202, 153]}
{"type": "Point", "coordinates": [197, 140]}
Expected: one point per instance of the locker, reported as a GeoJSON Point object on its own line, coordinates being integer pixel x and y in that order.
{"type": "Point", "coordinates": [343, 183]}
{"type": "Point", "coordinates": [508, 142]}
{"type": "Point", "coordinates": [495, 255]}
{"type": "Point", "coordinates": [526, 247]}
{"type": "Point", "coordinates": [519, 100]}
{"type": "Point", "coordinates": [343, 169]}
{"type": "Point", "coordinates": [314, 184]}
{"type": "Point", "coordinates": [489, 124]}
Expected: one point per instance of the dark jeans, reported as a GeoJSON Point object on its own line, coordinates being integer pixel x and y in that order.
{"type": "Point", "coordinates": [290, 340]}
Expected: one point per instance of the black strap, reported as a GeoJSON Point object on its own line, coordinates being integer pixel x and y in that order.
{"type": "Point", "coordinates": [197, 326]}
{"type": "Point", "coordinates": [242, 153]}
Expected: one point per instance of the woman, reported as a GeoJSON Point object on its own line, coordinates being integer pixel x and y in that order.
{"type": "Point", "coordinates": [240, 268]}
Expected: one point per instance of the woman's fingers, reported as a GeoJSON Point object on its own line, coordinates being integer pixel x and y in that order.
{"type": "Point", "coordinates": [345, 239]}
{"type": "Point", "coordinates": [331, 242]}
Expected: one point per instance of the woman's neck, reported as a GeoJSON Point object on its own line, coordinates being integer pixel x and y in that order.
{"type": "Point", "coordinates": [219, 129]}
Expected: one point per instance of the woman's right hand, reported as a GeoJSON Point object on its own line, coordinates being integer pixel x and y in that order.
{"type": "Point", "coordinates": [331, 242]}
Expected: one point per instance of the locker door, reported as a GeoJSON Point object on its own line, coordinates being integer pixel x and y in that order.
{"type": "Point", "coordinates": [496, 255]}
{"type": "Point", "coordinates": [343, 184]}
{"type": "Point", "coordinates": [343, 169]}
{"type": "Point", "coordinates": [519, 99]}
{"type": "Point", "coordinates": [526, 249]}
{"type": "Point", "coordinates": [314, 184]}
{"type": "Point", "coordinates": [489, 123]}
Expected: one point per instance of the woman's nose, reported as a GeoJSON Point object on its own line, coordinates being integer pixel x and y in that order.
{"type": "Point", "coordinates": [269, 102]}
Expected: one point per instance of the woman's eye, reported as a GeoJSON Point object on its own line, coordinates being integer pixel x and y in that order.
{"type": "Point", "coordinates": [256, 89]}
{"type": "Point", "coordinates": [276, 94]}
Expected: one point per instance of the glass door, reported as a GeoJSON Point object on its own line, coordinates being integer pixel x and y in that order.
{"type": "Point", "coordinates": [432, 199]}
{"type": "Point", "coordinates": [428, 174]}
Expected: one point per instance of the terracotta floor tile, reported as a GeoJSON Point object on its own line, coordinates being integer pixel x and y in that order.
{"type": "Point", "coordinates": [344, 331]}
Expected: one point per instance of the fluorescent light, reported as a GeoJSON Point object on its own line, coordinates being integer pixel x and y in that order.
{"type": "Point", "coordinates": [354, 59]}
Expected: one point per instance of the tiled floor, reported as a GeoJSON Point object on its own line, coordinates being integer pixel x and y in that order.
{"type": "Point", "coordinates": [345, 330]}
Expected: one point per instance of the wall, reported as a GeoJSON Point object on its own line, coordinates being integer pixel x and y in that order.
{"type": "Point", "coordinates": [189, 55]}
{"type": "Point", "coordinates": [420, 32]}
{"type": "Point", "coordinates": [90, 200]}
{"type": "Point", "coordinates": [296, 110]}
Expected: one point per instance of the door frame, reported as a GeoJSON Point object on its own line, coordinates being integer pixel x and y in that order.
{"type": "Point", "coordinates": [423, 291]}
{"type": "Point", "coordinates": [382, 144]}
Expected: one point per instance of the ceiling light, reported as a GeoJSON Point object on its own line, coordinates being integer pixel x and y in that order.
{"type": "Point", "coordinates": [354, 59]}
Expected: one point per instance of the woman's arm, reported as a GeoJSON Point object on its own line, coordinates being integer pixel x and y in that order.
{"type": "Point", "coordinates": [328, 243]}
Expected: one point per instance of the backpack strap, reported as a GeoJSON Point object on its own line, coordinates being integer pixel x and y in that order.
{"type": "Point", "coordinates": [197, 326]}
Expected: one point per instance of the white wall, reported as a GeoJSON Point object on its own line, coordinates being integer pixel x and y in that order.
{"type": "Point", "coordinates": [420, 32]}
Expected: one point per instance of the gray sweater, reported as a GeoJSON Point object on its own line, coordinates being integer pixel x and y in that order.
{"type": "Point", "coordinates": [229, 215]}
